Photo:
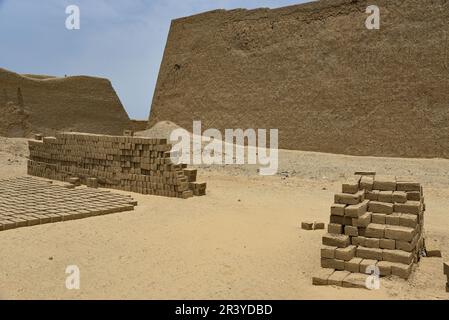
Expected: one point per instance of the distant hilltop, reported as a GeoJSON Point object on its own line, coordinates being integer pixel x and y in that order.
{"type": "Point", "coordinates": [46, 104]}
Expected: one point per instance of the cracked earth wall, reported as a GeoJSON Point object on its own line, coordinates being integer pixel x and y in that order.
{"type": "Point", "coordinates": [317, 74]}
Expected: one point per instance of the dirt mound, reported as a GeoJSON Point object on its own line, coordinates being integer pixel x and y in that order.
{"type": "Point", "coordinates": [160, 130]}
{"type": "Point", "coordinates": [44, 104]}
{"type": "Point", "coordinates": [317, 74]}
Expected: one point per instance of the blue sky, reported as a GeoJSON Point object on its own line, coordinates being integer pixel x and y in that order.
{"type": "Point", "coordinates": [120, 40]}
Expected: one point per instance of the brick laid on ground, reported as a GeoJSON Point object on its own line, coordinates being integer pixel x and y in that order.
{"type": "Point", "coordinates": [43, 202]}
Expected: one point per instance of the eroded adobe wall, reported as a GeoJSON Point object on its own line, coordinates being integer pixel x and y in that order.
{"type": "Point", "coordinates": [80, 103]}
{"type": "Point", "coordinates": [315, 72]}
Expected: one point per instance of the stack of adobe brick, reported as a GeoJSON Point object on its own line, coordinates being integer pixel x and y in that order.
{"type": "Point", "coordinates": [376, 222]}
{"type": "Point", "coordinates": [127, 163]}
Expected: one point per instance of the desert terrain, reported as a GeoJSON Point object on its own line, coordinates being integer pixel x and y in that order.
{"type": "Point", "coordinates": [241, 241]}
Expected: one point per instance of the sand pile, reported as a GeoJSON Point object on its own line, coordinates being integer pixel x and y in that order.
{"type": "Point", "coordinates": [160, 130]}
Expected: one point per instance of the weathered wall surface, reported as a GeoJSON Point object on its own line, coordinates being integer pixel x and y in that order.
{"type": "Point", "coordinates": [315, 72]}
{"type": "Point", "coordinates": [47, 104]}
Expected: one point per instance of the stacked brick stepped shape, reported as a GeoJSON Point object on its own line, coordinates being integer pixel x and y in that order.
{"type": "Point", "coordinates": [134, 164]}
{"type": "Point", "coordinates": [375, 221]}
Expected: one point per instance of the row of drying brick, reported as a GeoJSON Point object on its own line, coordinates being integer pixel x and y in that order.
{"type": "Point", "coordinates": [79, 137]}
{"type": "Point", "coordinates": [378, 231]}
{"type": "Point", "coordinates": [352, 251]}
{"type": "Point", "coordinates": [367, 266]}
{"type": "Point", "coordinates": [157, 176]}
{"type": "Point", "coordinates": [381, 183]}
{"type": "Point", "coordinates": [161, 188]}
{"type": "Point", "coordinates": [181, 190]}
{"type": "Point", "coordinates": [140, 171]}
{"type": "Point", "coordinates": [61, 152]}
{"type": "Point", "coordinates": [357, 208]}
{"type": "Point", "coordinates": [102, 141]}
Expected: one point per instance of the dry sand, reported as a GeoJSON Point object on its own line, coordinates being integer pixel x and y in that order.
{"type": "Point", "coordinates": [241, 241]}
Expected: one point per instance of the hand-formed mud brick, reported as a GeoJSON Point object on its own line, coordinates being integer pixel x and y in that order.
{"type": "Point", "coordinates": [321, 277]}
{"type": "Point", "coordinates": [353, 265]}
{"type": "Point", "coordinates": [356, 210]}
{"type": "Point", "coordinates": [319, 226]}
{"type": "Point", "coordinates": [307, 225]}
{"type": "Point", "coordinates": [365, 173]}
{"type": "Point", "coordinates": [191, 174]}
{"type": "Point", "coordinates": [399, 233]}
{"type": "Point", "coordinates": [407, 245]}
{"type": "Point", "coordinates": [352, 185]}
{"type": "Point", "coordinates": [399, 197]}
{"type": "Point", "coordinates": [372, 195]}
{"type": "Point", "coordinates": [414, 195]}
{"type": "Point", "coordinates": [401, 270]}
{"type": "Point", "coordinates": [337, 278]}
{"type": "Point", "coordinates": [362, 232]}
{"type": "Point", "coordinates": [335, 228]}
{"type": "Point", "coordinates": [355, 280]}
{"type": "Point", "coordinates": [328, 252]}
{"type": "Point", "coordinates": [384, 268]}
{"type": "Point", "coordinates": [375, 231]}
{"type": "Point", "coordinates": [408, 186]}
{"type": "Point", "coordinates": [358, 241]}
{"type": "Point", "coordinates": [385, 183]}
{"type": "Point", "coordinates": [351, 231]}
{"type": "Point", "coordinates": [334, 240]}
{"type": "Point", "coordinates": [345, 254]}
{"type": "Point", "coordinates": [366, 183]}
{"type": "Point", "coordinates": [365, 264]}
{"type": "Point", "coordinates": [387, 244]}
{"type": "Point", "coordinates": [408, 207]}
{"type": "Point", "coordinates": [380, 207]}
{"type": "Point", "coordinates": [408, 220]}
{"type": "Point", "coordinates": [432, 250]}
{"type": "Point", "coordinates": [332, 264]}
{"type": "Point", "coordinates": [397, 256]}
{"type": "Point", "coordinates": [378, 218]}
{"type": "Point", "coordinates": [341, 220]}
{"type": "Point", "coordinates": [92, 182]}
{"type": "Point", "coordinates": [446, 268]}
{"type": "Point", "coordinates": [369, 253]}
{"type": "Point", "coordinates": [338, 209]}
{"type": "Point", "coordinates": [385, 196]}
{"type": "Point", "coordinates": [75, 181]}
{"type": "Point", "coordinates": [372, 243]}
{"type": "Point", "coordinates": [364, 220]}
{"type": "Point", "coordinates": [393, 219]}
{"type": "Point", "coordinates": [346, 198]}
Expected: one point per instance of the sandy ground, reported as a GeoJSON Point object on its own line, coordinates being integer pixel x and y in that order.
{"type": "Point", "coordinates": [241, 241]}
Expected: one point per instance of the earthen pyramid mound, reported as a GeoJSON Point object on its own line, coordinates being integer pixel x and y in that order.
{"type": "Point", "coordinates": [316, 73]}
{"type": "Point", "coordinates": [44, 104]}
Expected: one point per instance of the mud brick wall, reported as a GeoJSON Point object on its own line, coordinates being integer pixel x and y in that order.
{"type": "Point", "coordinates": [375, 221]}
{"type": "Point", "coordinates": [134, 164]}
{"type": "Point", "coordinates": [316, 73]}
